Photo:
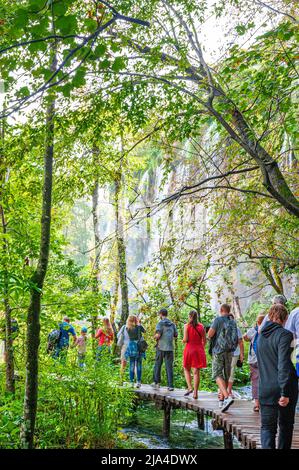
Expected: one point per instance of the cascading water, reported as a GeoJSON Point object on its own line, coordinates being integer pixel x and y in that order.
{"type": "Point", "coordinates": [149, 224]}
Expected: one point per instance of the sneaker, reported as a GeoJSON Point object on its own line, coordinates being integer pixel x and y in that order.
{"type": "Point", "coordinates": [138, 385]}
{"type": "Point", "coordinates": [220, 403]}
{"type": "Point", "coordinates": [155, 386]}
{"type": "Point", "coordinates": [170, 389]}
{"type": "Point", "coordinates": [227, 403]}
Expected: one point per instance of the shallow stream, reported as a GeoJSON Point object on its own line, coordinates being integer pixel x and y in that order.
{"type": "Point", "coordinates": [145, 429]}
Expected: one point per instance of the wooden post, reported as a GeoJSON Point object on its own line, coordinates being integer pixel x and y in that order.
{"type": "Point", "coordinates": [166, 419]}
{"type": "Point", "coordinates": [201, 420]}
{"type": "Point", "coordinates": [228, 439]}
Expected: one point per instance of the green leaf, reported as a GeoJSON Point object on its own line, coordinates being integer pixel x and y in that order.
{"type": "Point", "coordinates": [118, 64]}
{"type": "Point", "coordinates": [24, 91]}
{"type": "Point", "coordinates": [104, 64]}
{"type": "Point", "coordinates": [39, 30]}
{"type": "Point", "coordinates": [79, 78]}
{"type": "Point", "coordinates": [100, 50]}
{"type": "Point", "coordinates": [46, 73]}
{"type": "Point", "coordinates": [21, 18]}
{"type": "Point", "coordinates": [90, 24]}
{"type": "Point", "coordinates": [115, 47]}
{"type": "Point", "coordinates": [66, 89]}
{"type": "Point", "coordinates": [36, 5]}
{"type": "Point", "coordinates": [37, 46]}
{"type": "Point", "coordinates": [241, 29]}
{"type": "Point", "coordinates": [60, 8]}
{"type": "Point", "coordinates": [67, 24]}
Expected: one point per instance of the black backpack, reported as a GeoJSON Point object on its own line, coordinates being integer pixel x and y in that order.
{"type": "Point", "coordinates": [141, 343]}
{"type": "Point", "coordinates": [53, 340]}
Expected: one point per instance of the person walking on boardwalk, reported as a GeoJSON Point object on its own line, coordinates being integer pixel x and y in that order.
{"type": "Point", "coordinates": [277, 299]}
{"type": "Point", "coordinates": [291, 325]}
{"type": "Point", "coordinates": [278, 382]}
{"type": "Point", "coordinates": [194, 352]}
{"type": "Point", "coordinates": [166, 332]}
{"type": "Point", "coordinates": [134, 353]}
{"type": "Point", "coordinates": [81, 344]}
{"type": "Point", "coordinates": [252, 335]}
{"type": "Point", "coordinates": [105, 336]}
{"type": "Point", "coordinates": [237, 359]}
{"type": "Point", "coordinates": [122, 342]}
{"type": "Point", "coordinates": [224, 337]}
{"type": "Point", "coordinates": [65, 331]}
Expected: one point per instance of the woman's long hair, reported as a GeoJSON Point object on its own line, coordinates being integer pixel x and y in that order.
{"type": "Point", "coordinates": [131, 322]}
{"type": "Point", "coordinates": [193, 318]}
{"type": "Point", "coordinates": [107, 327]}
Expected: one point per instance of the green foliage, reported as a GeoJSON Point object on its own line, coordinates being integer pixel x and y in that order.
{"type": "Point", "coordinates": [77, 408]}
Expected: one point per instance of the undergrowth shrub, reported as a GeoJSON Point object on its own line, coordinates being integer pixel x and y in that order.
{"type": "Point", "coordinates": [77, 408]}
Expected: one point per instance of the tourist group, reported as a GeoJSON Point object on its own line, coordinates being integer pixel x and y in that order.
{"type": "Point", "coordinates": [273, 350]}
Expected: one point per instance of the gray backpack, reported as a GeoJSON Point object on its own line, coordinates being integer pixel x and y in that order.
{"type": "Point", "coordinates": [228, 338]}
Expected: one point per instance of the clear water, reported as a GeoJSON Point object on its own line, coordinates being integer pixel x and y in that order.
{"type": "Point", "coordinates": [145, 430]}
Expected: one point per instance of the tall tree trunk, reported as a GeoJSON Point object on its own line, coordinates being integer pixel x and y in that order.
{"type": "Point", "coordinates": [9, 356]}
{"type": "Point", "coordinates": [113, 305]}
{"type": "Point", "coordinates": [114, 297]}
{"type": "Point", "coordinates": [237, 307]}
{"type": "Point", "coordinates": [121, 248]}
{"type": "Point", "coordinates": [33, 316]}
{"type": "Point", "coordinates": [273, 278]}
{"type": "Point", "coordinates": [96, 265]}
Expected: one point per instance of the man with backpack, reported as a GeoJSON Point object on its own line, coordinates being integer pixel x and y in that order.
{"type": "Point", "coordinates": [224, 336]}
{"type": "Point", "coordinates": [61, 339]}
{"type": "Point", "coordinates": [166, 331]}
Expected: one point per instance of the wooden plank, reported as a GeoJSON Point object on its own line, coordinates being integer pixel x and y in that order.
{"type": "Point", "coordinates": [240, 420]}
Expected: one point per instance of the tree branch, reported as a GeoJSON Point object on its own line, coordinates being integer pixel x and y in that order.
{"type": "Point", "coordinates": [275, 10]}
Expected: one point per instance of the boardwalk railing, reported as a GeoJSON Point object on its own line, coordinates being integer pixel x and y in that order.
{"type": "Point", "coordinates": [239, 421]}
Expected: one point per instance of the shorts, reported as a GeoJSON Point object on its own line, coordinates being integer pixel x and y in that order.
{"type": "Point", "coordinates": [221, 365]}
{"type": "Point", "coordinates": [233, 368]}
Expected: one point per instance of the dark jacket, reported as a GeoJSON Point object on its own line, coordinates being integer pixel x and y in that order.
{"type": "Point", "coordinates": [277, 373]}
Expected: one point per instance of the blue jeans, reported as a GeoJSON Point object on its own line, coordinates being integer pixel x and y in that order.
{"type": "Point", "coordinates": [81, 359]}
{"type": "Point", "coordinates": [135, 362]}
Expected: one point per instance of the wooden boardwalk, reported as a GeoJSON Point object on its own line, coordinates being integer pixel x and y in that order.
{"type": "Point", "coordinates": [239, 421]}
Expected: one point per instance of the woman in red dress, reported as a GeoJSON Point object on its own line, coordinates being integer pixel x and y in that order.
{"type": "Point", "coordinates": [194, 352]}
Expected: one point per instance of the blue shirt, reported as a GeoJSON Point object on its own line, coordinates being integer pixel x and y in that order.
{"type": "Point", "coordinates": [66, 329]}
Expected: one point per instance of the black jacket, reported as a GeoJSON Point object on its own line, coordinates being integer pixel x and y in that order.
{"type": "Point", "coordinates": [277, 374]}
